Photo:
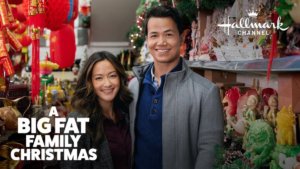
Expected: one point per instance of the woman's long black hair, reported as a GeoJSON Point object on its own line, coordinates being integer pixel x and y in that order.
{"type": "Point", "coordinates": [85, 100]}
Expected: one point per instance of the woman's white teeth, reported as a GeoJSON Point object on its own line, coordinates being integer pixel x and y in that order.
{"type": "Point", "coordinates": [162, 50]}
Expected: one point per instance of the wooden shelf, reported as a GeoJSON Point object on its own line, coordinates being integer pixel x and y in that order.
{"type": "Point", "coordinates": [279, 65]}
{"type": "Point", "coordinates": [287, 69]}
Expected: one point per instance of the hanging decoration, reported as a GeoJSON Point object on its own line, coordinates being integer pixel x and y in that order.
{"type": "Point", "coordinates": [18, 13]}
{"type": "Point", "coordinates": [36, 15]}
{"type": "Point", "coordinates": [61, 52]}
{"type": "Point", "coordinates": [273, 52]}
{"type": "Point", "coordinates": [73, 12]}
{"type": "Point", "coordinates": [56, 13]}
{"type": "Point", "coordinates": [6, 36]}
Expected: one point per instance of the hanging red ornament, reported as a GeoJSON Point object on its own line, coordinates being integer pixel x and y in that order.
{"type": "Point", "coordinates": [13, 26]}
{"type": "Point", "coordinates": [21, 28]}
{"type": "Point", "coordinates": [4, 14]}
{"type": "Point", "coordinates": [25, 40]}
{"type": "Point", "coordinates": [36, 13]}
{"type": "Point", "coordinates": [61, 52]}
{"type": "Point", "coordinates": [273, 52]}
{"type": "Point", "coordinates": [57, 13]}
{"type": "Point", "coordinates": [13, 41]}
{"type": "Point", "coordinates": [25, 7]}
{"type": "Point", "coordinates": [18, 13]}
{"type": "Point", "coordinates": [4, 57]}
{"type": "Point", "coordinates": [73, 11]}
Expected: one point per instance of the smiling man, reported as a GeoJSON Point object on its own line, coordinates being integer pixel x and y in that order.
{"type": "Point", "coordinates": [176, 117]}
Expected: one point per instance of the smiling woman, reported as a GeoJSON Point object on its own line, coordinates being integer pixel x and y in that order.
{"type": "Point", "coordinates": [101, 94]}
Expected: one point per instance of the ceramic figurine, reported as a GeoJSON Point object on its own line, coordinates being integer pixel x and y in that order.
{"type": "Point", "coordinates": [285, 122]}
{"type": "Point", "coordinates": [271, 110]}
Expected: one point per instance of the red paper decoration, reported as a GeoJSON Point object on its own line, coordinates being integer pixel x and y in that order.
{"type": "Point", "coordinates": [61, 52]}
{"type": "Point", "coordinates": [56, 12]}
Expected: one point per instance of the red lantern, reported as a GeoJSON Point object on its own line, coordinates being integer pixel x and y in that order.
{"type": "Point", "coordinates": [18, 13]}
{"type": "Point", "coordinates": [25, 7]}
{"type": "Point", "coordinates": [21, 28]}
{"type": "Point", "coordinates": [61, 52]}
{"type": "Point", "coordinates": [73, 12]}
{"type": "Point", "coordinates": [25, 40]}
{"type": "Point", "coordinates": [56, 13]}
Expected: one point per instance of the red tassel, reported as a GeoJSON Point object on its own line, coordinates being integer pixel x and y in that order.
{"type": "Point", "coordinates": [37, 21]}
{"type": "Point", "coordinates": [35, 69]}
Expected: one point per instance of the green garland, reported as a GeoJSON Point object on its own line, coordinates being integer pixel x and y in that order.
{"type": "Point", "coordinates": [139, 41]}
{"type": "Point", "coordinates": [187, 8]}
{"type": "Point", "coordinates": [283, 10]}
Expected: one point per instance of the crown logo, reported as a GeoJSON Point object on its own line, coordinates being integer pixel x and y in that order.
{"type": "Point", "coordinates": [252, 13]}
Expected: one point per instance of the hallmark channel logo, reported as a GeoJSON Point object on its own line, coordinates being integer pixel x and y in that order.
{"type": "Point", "coordinates": [249, 25]}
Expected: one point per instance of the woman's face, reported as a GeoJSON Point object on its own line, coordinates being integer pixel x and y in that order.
{"type": "Point", "coordinates": [106, 81]}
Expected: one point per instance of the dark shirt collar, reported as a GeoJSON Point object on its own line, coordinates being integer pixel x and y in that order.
{"type": "Point", "coordinates": [178, 67]}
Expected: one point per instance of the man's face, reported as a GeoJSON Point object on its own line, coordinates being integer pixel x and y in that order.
{"type": "Point", "coordinates": [163, 40]}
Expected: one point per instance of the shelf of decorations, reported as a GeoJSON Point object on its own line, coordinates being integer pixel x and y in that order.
{"type": "Point", "coordinates": [279, 65]}
{"type": "Point", "coordinates": [258, 134]}
{"type": "Point", "coordinates": [262, 123]}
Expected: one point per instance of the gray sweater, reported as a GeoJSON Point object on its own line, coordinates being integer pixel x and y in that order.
{"type": "Point", "coordinates": [192, 119]}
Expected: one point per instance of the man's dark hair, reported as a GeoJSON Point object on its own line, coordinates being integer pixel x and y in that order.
{"type": "Point", "coordinates": [164, 12]}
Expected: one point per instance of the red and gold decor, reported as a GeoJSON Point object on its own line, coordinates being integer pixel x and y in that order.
{"type": "Point", "coordinates": [6, 36]}
{"type": "Point", "coordinates": [18, 13]}
{"type": "Point", "coordinates": [61, 52]}
{"type": "Point", "coordinates": [36, 15]}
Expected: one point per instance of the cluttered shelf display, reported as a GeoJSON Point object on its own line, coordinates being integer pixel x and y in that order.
{"type": "Point", "coordinates": [262, 123]}
{"type": "Point", "coordinates": [227, 41]}
{"type": "Point", "coordinates": [284, 64]}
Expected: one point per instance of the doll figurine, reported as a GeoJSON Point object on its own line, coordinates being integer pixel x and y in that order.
{"type": "Point", "coordinates": [250, 110]}
{"type": "Point", "coordinates": [230, 106]}
{"type": "Point", "coordinates": [194, 33]}
{"type": "Point", "coordinates": [285, 122]}
{"type": "Point", "coordinates": [271, 110]}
